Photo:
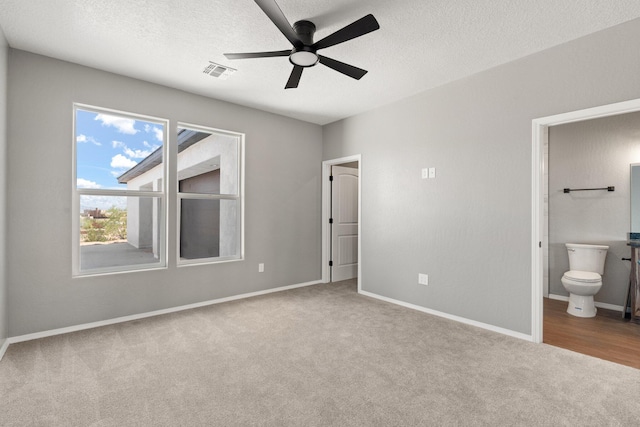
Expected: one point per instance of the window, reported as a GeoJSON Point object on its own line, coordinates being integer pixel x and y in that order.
{"type": "Point", "coordinates": [120, 196]}
{"type": "Point", "coordinates": [119, 191]}
{"type": "Point", "coordinates": [209, 195]}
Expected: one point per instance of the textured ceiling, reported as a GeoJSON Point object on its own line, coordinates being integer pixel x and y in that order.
{"type": "Point", "coordinates": [421, 43]}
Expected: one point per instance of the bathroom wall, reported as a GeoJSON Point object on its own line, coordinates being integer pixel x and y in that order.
{"type": "Point", "coordinates": [592, 154]}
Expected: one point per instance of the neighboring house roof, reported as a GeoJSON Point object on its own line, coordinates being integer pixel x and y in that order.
{"type": "Point", "coordinates": [186, 138]}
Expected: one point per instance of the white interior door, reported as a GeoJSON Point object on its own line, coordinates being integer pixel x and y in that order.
{"type": "Point", "coordinates": [344, 228]}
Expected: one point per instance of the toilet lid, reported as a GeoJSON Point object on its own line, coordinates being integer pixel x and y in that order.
{"type": "Point", "coordinates": [583, 276]}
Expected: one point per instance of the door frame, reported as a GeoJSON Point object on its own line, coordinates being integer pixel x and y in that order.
{"type": "Point", "coordinates": [326, 214]}
{"type": "Point", "coordinates": [540, 135]}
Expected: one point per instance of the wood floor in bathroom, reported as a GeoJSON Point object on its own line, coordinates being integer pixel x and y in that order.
{"type": "Point", "coordinates": [606, 336]}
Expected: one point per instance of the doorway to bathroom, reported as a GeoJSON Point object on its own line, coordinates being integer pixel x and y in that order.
{"type": "Point", "coordinates": [573, 150]}
{"type": "Point", "coordinates": [341, 215]}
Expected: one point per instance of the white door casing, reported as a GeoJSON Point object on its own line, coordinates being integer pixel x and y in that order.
{"type": "Point", "coordinates": [540, 129]}
{"type": "Point", "coordinates": [344, 229]}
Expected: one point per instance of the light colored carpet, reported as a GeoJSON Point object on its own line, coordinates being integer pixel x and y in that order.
{"type": "Point", "coordinates": [315, 356]}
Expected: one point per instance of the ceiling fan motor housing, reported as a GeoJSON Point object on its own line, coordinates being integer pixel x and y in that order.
{"type": "Point", "coordinates": [303, 54]}
{"type": "Point", "coordinates": [305, 31]}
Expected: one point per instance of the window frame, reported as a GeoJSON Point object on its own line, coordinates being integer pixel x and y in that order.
{"type": "Point", "coordinates": [238, 197]}
{"type": "Point", "coordinates": [77, 193]}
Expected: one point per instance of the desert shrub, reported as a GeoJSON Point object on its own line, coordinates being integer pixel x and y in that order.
{"type": "Point", "coordinates": [113, 227]}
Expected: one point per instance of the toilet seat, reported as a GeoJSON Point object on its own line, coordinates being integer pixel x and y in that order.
{"type": "Point", "coordinates": [582, 276]}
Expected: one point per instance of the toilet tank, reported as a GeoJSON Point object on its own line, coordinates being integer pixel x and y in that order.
{"type": "Point", "coordinates": [587, 257]}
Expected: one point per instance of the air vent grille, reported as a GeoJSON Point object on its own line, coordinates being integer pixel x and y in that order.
{"type": "Point", "coordinates": [218, 71]}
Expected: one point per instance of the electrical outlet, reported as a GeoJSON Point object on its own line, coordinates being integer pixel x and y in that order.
{"type": "Point", "coordinates": [423, 279]}
{"type": "Point", "coordinates": [425, 173]}
{"type": "Point", "coordinates": [261, 268]}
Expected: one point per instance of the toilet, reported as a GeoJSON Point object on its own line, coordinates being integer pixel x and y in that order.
{"type": "Point", "coordinates": [584, 278]}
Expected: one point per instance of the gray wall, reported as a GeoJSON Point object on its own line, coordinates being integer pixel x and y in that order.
{"type": "Point", "coordinates": [4, 323]}
{"type": "Point", "coordinates": [470, 228]}
{"type": "Point", "coordinates": [592, 154]}
{"type": "Point", "coordinates": [282, 195]}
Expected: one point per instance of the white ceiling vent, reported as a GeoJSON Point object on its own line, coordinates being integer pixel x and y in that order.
{"type": "Point", "coordinates": [218, 71]}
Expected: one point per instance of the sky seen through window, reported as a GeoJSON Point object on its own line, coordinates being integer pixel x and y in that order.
{"type": "Point", "coordinates": [106, 147]}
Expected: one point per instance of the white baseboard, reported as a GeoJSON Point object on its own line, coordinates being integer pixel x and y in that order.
{"type": "Point", "coordinates": [4, 347]}
{"type": "Point", "coordinates": [598, 304]}
{"type": "Point", "coordinates": [452, 317]}
{"type": "Point", "coordinates": [44, 334]}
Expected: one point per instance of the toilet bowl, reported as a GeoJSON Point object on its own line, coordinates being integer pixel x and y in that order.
{"type": "Point", "coordinates": [582, 286]}
{"type": "Point", "coordinates": [584, 279]}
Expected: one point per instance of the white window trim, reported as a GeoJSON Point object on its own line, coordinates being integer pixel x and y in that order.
{"type": "Point", "coordinates": [77, 192]}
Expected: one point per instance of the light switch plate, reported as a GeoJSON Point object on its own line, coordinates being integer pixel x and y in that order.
{"type": "Point", "coordinates": [432, 172]}
{"type": "Point", "coordinates": [261, 268]}
{"type": "Point", "coordinates": [425, 173]}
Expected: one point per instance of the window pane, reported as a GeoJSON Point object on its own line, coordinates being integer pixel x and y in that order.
{"type": "Point", "coordinates": [119, 231]}
{"type": "Point", "coordinates": [208, 228]}
{"type": "Point", "coordinates": [207, 162]}
{"type": "Point", "coordinates": [117, 152]}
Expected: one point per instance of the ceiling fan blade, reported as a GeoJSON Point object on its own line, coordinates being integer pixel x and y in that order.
{"type": "Point", "coordinates": [359, 28]}
{"type": "Point", "coordinates": [272, 10]}
{"type": "Point", "coordinates": [341, 67]}
{"type": "Point", "coordinates": [294, 78]}
{"type": "Point", "coordinates": [258, 54]}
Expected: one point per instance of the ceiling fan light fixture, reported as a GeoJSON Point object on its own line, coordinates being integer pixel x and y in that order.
{"type": "Point", "coordinates": [303, 57]}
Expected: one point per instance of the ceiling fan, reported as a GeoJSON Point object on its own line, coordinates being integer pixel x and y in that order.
{"type": "Point", "coordinates": [304, 52]}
